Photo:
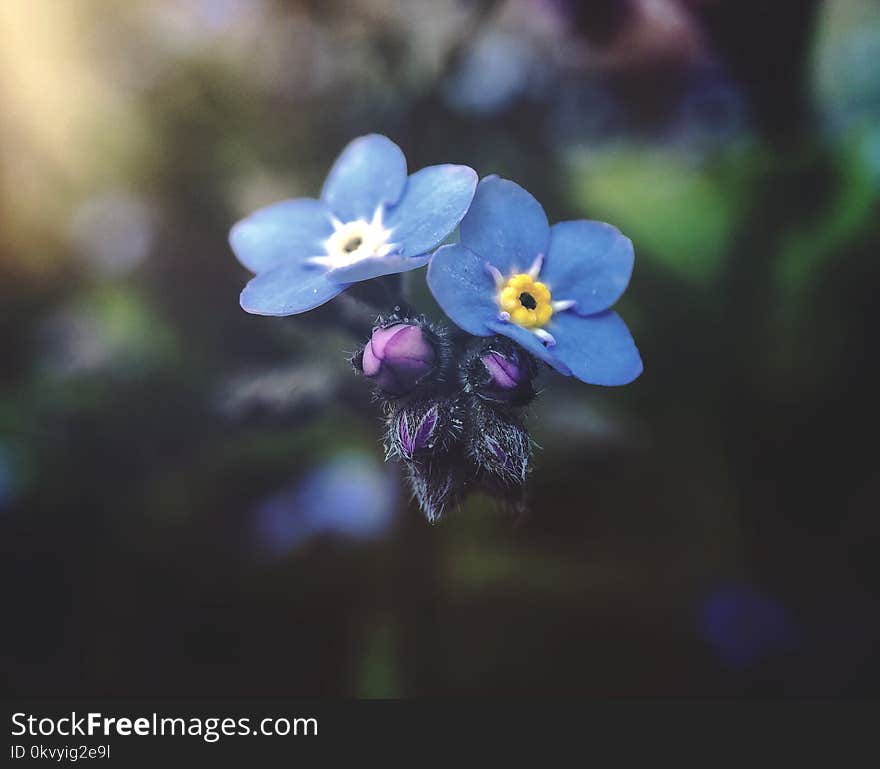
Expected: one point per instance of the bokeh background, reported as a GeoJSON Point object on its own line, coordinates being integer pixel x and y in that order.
{"type": "Point", "coordinates": [193, 500]}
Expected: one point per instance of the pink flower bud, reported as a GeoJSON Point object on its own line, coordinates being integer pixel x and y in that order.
{"type": "Point", "coordinates": [397, 357]}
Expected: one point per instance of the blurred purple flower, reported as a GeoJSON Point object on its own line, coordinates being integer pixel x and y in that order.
{"type": "Point", "coordinates": [353, 495]}
{"type": "Point", "coordinates": [497, 70]}
{"type": "Point", "coordinates": [712, 111]}
{"type": "Point", "coordinates": [743, 626]}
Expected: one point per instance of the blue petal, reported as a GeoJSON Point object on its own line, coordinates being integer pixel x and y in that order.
{"type": "Point", "coordinates": [589, 262]}
{"type": "Point", "coordinates": [371, 171]}
{"type": "Point", "coordinates": [376, 266]}
{"type": "Point", "coordinates": [289, 230]}
{"type": "Point", "coordinates": [289, 289]}
{"type": "Point", "coordinates": [531, 343]}
{"type": "Point", "coordinates": [434, 202]}
{"type": "Point", "coordinates": [459, 282]}
{"type": "Point", "coordinates": [598, 348]}
{"type": "Point", "coordinates": [505, 225]}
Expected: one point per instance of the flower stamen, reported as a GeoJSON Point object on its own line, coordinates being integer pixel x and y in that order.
{"type": "Point", "coordinates": [527, 301]}
{"type": "Point", "coordinates": [496, 275]}
{"type": "Point", "coordinates": [535, 269]}
{"type": "Point", "coordinates": [353, 245]}
{"type": "Point", "coordinates": [354, 241]}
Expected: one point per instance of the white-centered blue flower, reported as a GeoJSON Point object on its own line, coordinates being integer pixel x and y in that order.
{"type": "Point", "coordinates": [372, 220]}
{"type": "Point", "coordinates": [547, 288]}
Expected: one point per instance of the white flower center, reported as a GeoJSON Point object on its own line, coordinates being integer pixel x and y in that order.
{"type": "Point", "coordinates": [352, 242]}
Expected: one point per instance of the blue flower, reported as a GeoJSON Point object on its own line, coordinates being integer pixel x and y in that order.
{"type": "Point", "coordinates": [372, 220]}
{"type": "Point", "coordinates": [547, 288]}
{"type": "Point", "coordinates": [350, 495]}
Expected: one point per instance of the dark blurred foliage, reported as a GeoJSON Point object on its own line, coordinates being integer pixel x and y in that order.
{"type": "Point", "coordinates": [179, 482]}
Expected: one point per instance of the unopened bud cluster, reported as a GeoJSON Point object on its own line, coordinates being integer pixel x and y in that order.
{"type": "Point", "coordinates": [452, 410]}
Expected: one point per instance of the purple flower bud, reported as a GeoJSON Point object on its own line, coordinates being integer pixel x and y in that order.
{"type": "Point", "coordinates": [424, 434]}
{"type": "Point", "coordinates": [506, 374]}
{"type": "Point", "coordinates": [423, 428]}
{"type": "Point", "coordinates": [419, 436]}
{"type": "Point", "coordinates": [498, 446]}
{"type": "Point", "coordinates": [500, 372]}
{"type": "Point", "coordinates": [438, 486]}
{"type": "Point", "coordinates": [397, 357]}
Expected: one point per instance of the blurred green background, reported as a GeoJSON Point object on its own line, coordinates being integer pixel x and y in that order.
{"type": "Point", "coordinates": [192, 499]}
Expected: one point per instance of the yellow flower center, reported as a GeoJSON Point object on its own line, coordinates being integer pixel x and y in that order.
{"type": "Point", "coordinates": [526, 300]}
